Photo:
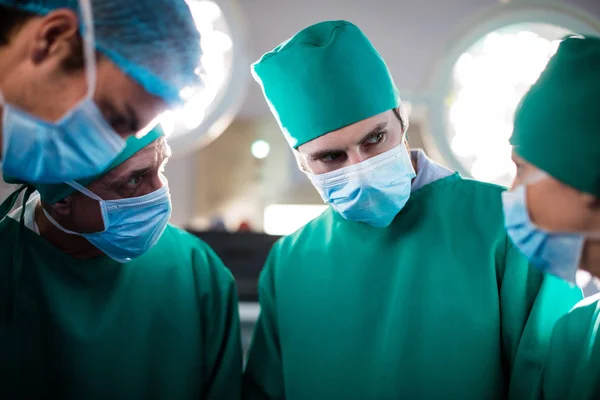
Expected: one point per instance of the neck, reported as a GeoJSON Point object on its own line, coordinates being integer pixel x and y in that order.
{"type": "Point", "coordinates": [413, 160]}
{"type": "Point", "coordinates": [72, 245]}
{"type": "Point", "coordinates": [590, 260]}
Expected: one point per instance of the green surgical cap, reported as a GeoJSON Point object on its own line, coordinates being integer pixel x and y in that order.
{"type": "Point", "coordinates": [557, 125]}
{"type": "Point", "coordinates": [324, 78]}
{"type": "Point", "coordinates": [54, 193]}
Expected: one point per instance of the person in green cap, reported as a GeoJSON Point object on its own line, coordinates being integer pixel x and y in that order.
{"type": "Point", "coordinates": [102, 299]}
{"type": "Point", "coordinates": [408, 285]}
{"type": "Point", "coordinates": [552, 212]}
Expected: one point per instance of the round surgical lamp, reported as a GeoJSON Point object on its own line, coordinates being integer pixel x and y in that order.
{"type": "Point", "coordinates": [483, 79]}
{"type": "Point", "coordinates": [209, 110]}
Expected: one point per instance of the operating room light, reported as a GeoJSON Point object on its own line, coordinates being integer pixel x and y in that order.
{"type": "Point", "coordinates": [206, 10]}
{"type": "Point", "coordinates": [489, 80]}
{"type": "Point", "coordinates": [260, 149]}
{"type": "Point", "coordinates": [217, 46]}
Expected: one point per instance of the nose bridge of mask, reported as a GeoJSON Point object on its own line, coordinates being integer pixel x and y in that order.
{"type": "Point", "coordinates": [107, 205]}
{"type": "Point", "coordinates": [366, 167]}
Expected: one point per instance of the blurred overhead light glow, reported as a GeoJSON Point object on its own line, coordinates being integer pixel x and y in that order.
{"type": "Point", "coordinates": [260, 149]}
{"type": "Point", "coordinates": [215, 66]}
{"type": "Point", "coordinates": [285, 219]}
{"type": "Point", "coordinates": [489, 80]}
{"type": "Point", "coordinates": [216, 42]}
{"type": "Point", "coordinates": [205, 10]}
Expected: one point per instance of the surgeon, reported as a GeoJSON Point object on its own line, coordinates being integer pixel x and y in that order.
{"type": "Point", "coordinates": [553, 210]}
{"type": "Point", "coordinates": [78, 77]}
{"type": "Point", "coordinates": [101, 299]}
{"type": "Point", "coordinates": [408, 286]}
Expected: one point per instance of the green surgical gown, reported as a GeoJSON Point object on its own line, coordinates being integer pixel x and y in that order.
{"type": "Point", "coordinates": [439, 305]}
{"type": "Point", "coordinates": [164, 326]}
{"type": "Point", "coordinates": [573, 367]}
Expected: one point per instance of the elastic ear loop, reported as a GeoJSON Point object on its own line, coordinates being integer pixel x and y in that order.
{"type": "Point", "coordinates": [89, 52]}
{"type": "Point", "coordinates": [87, 192]}
{"type": "Point", "coordinates": [59, 226]}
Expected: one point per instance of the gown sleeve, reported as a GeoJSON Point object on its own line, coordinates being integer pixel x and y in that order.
{"type": "Point", "coordinates": [530, 305]}
{"type": "Point", "coordinates": [263, 377]}
{"type": "Point", "coordinates": [572, 370]}
{"type": "Point", "coordinates": [223, 347]}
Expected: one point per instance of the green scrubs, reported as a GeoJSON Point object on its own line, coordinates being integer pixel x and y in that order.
{"type": "Point", "coordinates": [164, 326]}
{"type": "Point", "coordinates": [573, 367]}
{"type": "Point", "coordinates": [568, 94]}
{"type": "Point", "coordinates": [439, 305]}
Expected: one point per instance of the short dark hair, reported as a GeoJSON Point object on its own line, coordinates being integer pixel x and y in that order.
{"type": "Point", "coordinates": [12, 19]}
{"type": "Point", "coordinates": [402, 118]}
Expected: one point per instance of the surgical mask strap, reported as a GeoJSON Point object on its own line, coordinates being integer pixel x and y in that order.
{"type": "Point", "coordinates": [89, 51]}
{"type": "Point", "coordinates": [85, 191]}
{"type": "Point", "coordinates": [59, 226]}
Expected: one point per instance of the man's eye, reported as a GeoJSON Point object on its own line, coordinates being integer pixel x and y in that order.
{"type": "Point", "coordinates": [374, 139]}
{"type": "Point", "coordinates": [332, 157]}
{"type": "Point", "coordinates": [134, 182]}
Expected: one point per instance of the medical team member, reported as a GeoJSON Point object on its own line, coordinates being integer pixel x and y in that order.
{"type": "Point", "coordinates": [102, 299]}
{"type": "Point", "coordinates": [407, 287]}
{"type": "Point", "coordinates": [77, 77]}
{"type": "Point", "coordinates": [553, 210]}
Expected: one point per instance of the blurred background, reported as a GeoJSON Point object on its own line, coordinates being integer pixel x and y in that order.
{"type": "Point", "coordinates": [461, 67]}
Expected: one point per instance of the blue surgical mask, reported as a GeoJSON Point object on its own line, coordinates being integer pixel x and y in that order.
{"type": "Point", "coordinates": [373, 191]}
{"type": "Point", "coordinates": [132, 226]}
{"type": "Point", "coordinates": [555, 253]}
{"type": "Point", "coordinates": [80, 144]}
